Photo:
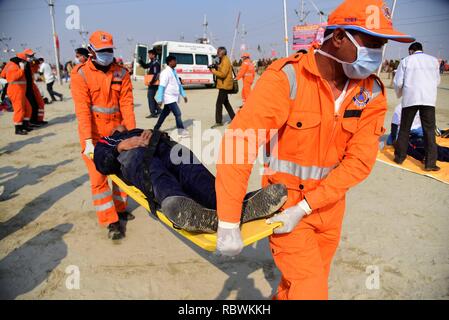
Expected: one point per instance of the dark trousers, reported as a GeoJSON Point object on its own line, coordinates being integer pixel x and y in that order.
{"type": "Point", "coordinates": [52, 92]}
{"type": "Point", "coordinates": [427, 115]}
{"type": "Point", "coordinates": [171, 107]}
{"type": "Point", "coordinates": [152, 104]}
{"type": "Point", "coordinates": [34, 106]}
{"type": "Point", "coordinates": [223, 99]}
{"type": "Point", "coordinates": [189, 178]}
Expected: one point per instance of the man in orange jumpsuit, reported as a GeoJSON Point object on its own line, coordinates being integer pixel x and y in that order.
{"type": "Point", "coordinates": [14, 73]}
{"type": "Point", "coordinates": [247, 73]}
{"type": "Point", "coordinates": [102, 92]}
{"type": "Point", "coordinates": [328, 109]}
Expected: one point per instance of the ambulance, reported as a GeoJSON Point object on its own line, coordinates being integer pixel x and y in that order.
{"type": "Point", "coordinates": [192, 60]}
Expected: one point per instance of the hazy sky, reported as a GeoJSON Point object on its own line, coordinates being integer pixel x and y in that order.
{"type": "Point", "coordinates": [28, 23]}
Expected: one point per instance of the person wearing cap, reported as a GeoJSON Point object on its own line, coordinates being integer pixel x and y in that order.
{"type": "Point", "coordinates": [103, 97]}
{"type": "Point", "coordinates": [416, 81]}
{"type": "Point", "coordinates": [247, 73]}
{"type": "Point", "coordinates": [328, 109]}
{"type": "Point", "coordinates": [14, 73]}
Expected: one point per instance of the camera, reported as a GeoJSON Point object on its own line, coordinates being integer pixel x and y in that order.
{"type": "Point", "coordinates": [215, 63]}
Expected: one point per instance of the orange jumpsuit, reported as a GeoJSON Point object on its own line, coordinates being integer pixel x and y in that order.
{"type": "Point", "coordinates": [319, 155]}
{"type": "Point", "coordinates": [102, 102]}
{"type": "Point", "coordinates": [247, 73]}
{"type": "Point", "coordinates": [17, 92]}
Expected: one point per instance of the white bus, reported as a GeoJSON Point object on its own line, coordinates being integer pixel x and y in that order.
{"type": "Point", "coordinates": [192, 60]}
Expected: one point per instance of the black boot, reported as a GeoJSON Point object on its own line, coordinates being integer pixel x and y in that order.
{"type": "Point", "coordinates": [115, 231]}
{"type": "Point", "coordinates": [126, 216]}
{"type": "Point", "coordinates": [263, 203]}
{"type": "Point", "coordinates": [189, 215]}
{"type": "Point", "coordinates": [35, 124]}
{"type": "Point", "coordinates": [20, 130]}
{"type": "Point", "coordinates": [26, 125]}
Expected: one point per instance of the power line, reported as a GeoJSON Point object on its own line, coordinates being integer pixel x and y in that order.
{"type": "Point", "coordinates": [419, 22]}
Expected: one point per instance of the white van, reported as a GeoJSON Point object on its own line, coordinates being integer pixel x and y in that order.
{"type": "Point", "coordinates": [192, 60]}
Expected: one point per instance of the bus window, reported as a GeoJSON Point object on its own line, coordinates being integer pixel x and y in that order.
{"type": "Point", "coordinates": [201, 59]}
{"type": "Point", "coordinates": [183, 58]}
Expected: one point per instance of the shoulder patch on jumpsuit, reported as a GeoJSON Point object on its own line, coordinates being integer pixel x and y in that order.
{"type": "Point", "coordinates": [378, 87]}
{"type": "Point", "coordinates": [286, 65]}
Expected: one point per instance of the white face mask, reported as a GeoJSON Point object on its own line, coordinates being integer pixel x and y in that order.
{"type": "Point", "coordinates": [104, 58]}
{"type": "Point", "coordinates": [368, 60]}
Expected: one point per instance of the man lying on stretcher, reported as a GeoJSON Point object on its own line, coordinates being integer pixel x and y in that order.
{"type": "Point", "coordinates": [185, 191]}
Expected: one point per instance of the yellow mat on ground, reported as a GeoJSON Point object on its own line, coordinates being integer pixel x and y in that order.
{"type": "Point", "coordinates": [386, 155]}
{"type": "Point", "coordinates": [251, 231]}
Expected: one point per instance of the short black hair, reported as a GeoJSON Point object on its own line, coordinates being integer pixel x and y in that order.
{"type": "Point", "coordinates": [40, 59]}
{"type": "Point", "coordinates": [223, 49]}
{"type": "Point", "coordinates": [82, 51]}
{"type": "Point", "coordinates": [152, 51]}
{"type": "Point", "coordinates": [415, 46]}
{"type": "Point", "coordinates": [169, 59]}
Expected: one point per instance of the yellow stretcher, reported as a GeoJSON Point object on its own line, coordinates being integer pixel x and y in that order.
{"type": "Point", "coordinates": [251, 231]}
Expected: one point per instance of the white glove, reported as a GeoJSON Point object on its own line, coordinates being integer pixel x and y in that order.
{"type": "Point", "coordinates": [89, 149]}
{"type": "Point", "coordinates": [229, 239]}
{"type": "Point", "coordinates": [289, 218]}
{"type": "Point", "coordinates": [22, 65]}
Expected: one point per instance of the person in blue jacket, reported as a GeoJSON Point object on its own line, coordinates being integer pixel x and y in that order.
{"type": "Point", "coordinates": [185, 190]}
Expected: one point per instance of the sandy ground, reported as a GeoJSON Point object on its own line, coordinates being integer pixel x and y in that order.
{"type": "Point", "coordinates": [396, 223]}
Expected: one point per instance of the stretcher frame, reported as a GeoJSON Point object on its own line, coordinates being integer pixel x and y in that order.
{"type": "Point", "coordinates": [251, 232]}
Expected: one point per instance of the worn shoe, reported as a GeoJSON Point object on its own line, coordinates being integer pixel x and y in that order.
{"type": "Point", "coordinates": [154, 115]}
{"type": "Point", "coordinates": [264, 202]}
{"type": "Point", "coordinates": [26, 126]}
{"type": "Point", "coordinates": [21, 131]}
{"type": "Point", "coordinates": [189, 215]}
{"type": "Point", "coordinates": [35, 124]}
{"type": "Point", "coordinates": [216, 125]}
{"type": "Point", "coordinates": [435, 168]}
{"type": "Point", "coordinates": [115, 231]}
{"type": "Point", "coordinates": [126, 216]}
{"type": "Point", "coordinates": [183, 133]}
{"type": "Point", "coordinates": [398, 161]}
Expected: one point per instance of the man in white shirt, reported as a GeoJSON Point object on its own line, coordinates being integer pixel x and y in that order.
{"type": "Point", "coordinates": [50, 78]}
{"type": "Point", "coordinates": [416, 81]}
{"type": "Point", "coordinates": [169, 92]}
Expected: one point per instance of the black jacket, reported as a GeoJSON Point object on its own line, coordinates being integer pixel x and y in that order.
{"type": "Point", "coordinates": [154, 68]}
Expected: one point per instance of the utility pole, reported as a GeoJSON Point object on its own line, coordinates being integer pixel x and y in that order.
{"type": "Point", "coordinates": [243, 45]}
{"type": "Point", "coordinates": [51, 4]}
{"type": "Point", "coordinates": [385, 46]}
{"type": "Point", "coordinates": [235, 36]}
{"type": "Point", "coordinates": [285, 28]}
{"type": "Point", "coordinates": [83, 33]}
{"type": "Point", "coordinates": [205, 24]}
